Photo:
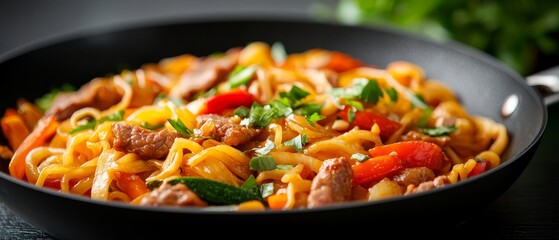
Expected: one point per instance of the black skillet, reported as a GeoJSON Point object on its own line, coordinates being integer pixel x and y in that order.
{"type": "Point", "coordinates": [481, 82]}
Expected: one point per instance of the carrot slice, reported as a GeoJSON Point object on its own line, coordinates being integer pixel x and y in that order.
{"type": "Point", "coordinates": [131, 184]}
{"type": "Point", "coordinates": [14, 128]}
{"type": "Point", "coordinates": [277, 201]}
{"type": "Point", "coordinates": [46, 127]}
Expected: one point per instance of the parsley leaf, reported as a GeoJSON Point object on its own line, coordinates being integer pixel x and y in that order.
{"type": "Point", "coordinates": [371, 92]}
{"type": "Point", "coordinates": [392, 93]}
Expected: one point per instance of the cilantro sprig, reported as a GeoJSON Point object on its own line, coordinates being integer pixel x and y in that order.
{"type": "Point", "coordinates": [289, 102]}
{"type": "Point", "coordinates": [362, 91]}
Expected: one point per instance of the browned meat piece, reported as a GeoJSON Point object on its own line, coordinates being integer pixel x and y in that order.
{"type": "Point", "coordinates": [99, 93]}
{"type": "Point", "coordinates": [332, 184]}
{"type": "Point", "coordinates": [147, 144]}
{"type": "Point", "coordinates": [414, 176]}
{"type": "Point", "coordinates": [226, 131]}
{"type": "Point", "coordinates": [415, 135]}
{"type": "Point", "coordinates": [172, 195]}
{"type": "Point", "coordinates": [438, 182]}
{"type": "Point", "coordinates": [205, 74]}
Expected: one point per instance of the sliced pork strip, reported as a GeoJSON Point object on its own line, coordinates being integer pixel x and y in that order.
{"type": "Point", "coordinates": [206, 73]}
{"type": "Point", "coordinates": [226, 131]}
{"type": "Point", "coordinates": [145, 143]}
{"type": "Point", "coordinates": [100, 93]}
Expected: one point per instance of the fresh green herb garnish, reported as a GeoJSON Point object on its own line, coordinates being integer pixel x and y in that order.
{"type": "Point", "coordinates": [289, 102]}
{"type": "Point", "coordinates": [242, 111]}
{"type": "Point", "coordinates": [259, 116]}
{"type": "Point", "coordinates": [392, 94]}
{"type": "Point", "coordinates": [307, 109]}
{"type": "Point", "coordinates": [267, 189]}
{"type": "Point", "coordinates": [241, 75]}
{"type": "Point", "coordinates": [181, 127]}
{"type": "Point", "coordinates": [371, 92]}
{"type": "Point", "coordinates": [268, 147]}
{"type": "Point", "coordinates": [114, 117]}
{"type": "Point", "coordinates": [284, 166]}
{"type": "Point", "coordinates": [283, 109]}
{"type": "Point", "coordinates": [424, 119]}
{"type": "Point", "coordinates": [46, 100]}
{"type": "Point", "coordinates": [315, 117]}
{"type": "Point", "coordinates": [417, 100]}
{"type": "Point", "coordinates": [359, 157]}
{"type": "Point", "coordinates": [207, 94]}
{"type": "Point", "coordinates": [297, 142]}
{"type": "Point", "coordinates": [250, 185]}
{"type": "Point", "coordinates": [262, 163]}
{"type": "Point", "coordinates": [354, 103]}
{"type": "Point", "coordinates": [351, 114]}
{"type": "Point", "coordinates": [438, 131]}
{"type": "Point", "coordinates": [154, 184]}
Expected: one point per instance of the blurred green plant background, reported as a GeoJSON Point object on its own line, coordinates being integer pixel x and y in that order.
{"type": "Point", "coordinates": [524, 34]}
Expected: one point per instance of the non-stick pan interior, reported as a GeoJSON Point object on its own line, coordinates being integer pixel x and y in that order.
{"type": "Point", "coordinates": [481, 83]}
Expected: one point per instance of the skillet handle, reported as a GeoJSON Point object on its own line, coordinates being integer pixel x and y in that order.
{"type": "Point", "coordinates": [547, 83]}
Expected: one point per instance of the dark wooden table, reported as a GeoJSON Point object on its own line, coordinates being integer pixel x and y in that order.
{"type": "Point", "coordinates": [528, 210]}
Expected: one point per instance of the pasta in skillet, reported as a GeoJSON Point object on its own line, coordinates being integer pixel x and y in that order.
{"type": "Point", "coordinates": [253, 128]}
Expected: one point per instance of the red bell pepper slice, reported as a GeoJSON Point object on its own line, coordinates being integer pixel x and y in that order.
{"type": "Point", "coordinates": [366, 120]}
{"type": "Point", "coordinates": [413, 153]}
{"type": "Point", "coordinates": [229, 100]}
{"type": "Point", "coordinates": [375, 169]}
{"type": "Point", "coordinates": [479, 168]}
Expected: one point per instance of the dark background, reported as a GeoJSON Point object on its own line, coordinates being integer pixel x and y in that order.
{"type": "Point", "coordinates": [529, 209]}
